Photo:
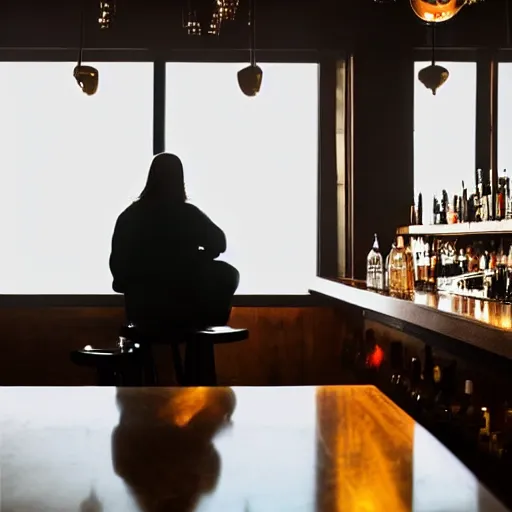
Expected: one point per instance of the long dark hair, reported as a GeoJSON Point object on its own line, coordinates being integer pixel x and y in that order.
{"type": "Point", "coordinates": [165, 180]}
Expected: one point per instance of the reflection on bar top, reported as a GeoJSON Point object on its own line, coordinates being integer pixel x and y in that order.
{"type": "Point", "coordinates": [496, 314]}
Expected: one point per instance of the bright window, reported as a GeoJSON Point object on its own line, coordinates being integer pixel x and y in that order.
{"type": "Point", "coordinates": [251, 165]}
{"type": "Point", "coordinates": [69, 164]}
{"type": "Point", "coordinates": [504, 118]}
{"type": "Point", "coordinates": [444, 134]}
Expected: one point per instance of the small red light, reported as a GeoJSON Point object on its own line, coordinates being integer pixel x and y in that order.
{"type": "Point", "coordinates": [375, 358]}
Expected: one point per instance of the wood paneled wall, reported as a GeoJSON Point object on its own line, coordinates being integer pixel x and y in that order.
{"type": "Point", "coordinates": [287, 346]}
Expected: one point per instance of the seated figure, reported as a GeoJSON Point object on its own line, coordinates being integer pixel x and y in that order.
{"type": "Point", "coordinates": [163, 258]}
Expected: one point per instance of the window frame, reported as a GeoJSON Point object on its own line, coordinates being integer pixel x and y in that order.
{"type": "Point", "coordinates": [488, 60]}
{"type": "Point", "coordinates": [327, 239]}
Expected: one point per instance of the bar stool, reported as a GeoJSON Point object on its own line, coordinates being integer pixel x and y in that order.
{"type": "Point", "coordinates": [199, 365]}
{"type": "Point", "coordinates": [131, 362]}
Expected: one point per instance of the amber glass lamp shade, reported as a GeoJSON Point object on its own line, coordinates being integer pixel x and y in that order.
{"type": "Point", "coordinates": [87, 78]}
{"type": "Point", "coordinates": [433, 77]}
{"type": "Point", "coordinates": [249, 80]}
{"type": "Point", "coordinates": [437, 11]}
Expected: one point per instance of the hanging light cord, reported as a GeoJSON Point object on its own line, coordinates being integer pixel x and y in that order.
{"type": "Point", "coordinates": [82, 34]}
{"type": "Point", "coordinates": [433, 44]}
{"type": "Point", "coordinates": [252, 23]}
{"type": "Point", "coordinates": [507, 20]}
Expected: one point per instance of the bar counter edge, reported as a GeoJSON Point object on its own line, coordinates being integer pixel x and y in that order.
{"type": "Point", "coordinates": [400, 312]}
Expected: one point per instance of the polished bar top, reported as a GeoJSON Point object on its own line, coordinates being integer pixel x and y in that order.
{"type": "Point", "coordinates": [484, 324]}
{"type": "Point", "coordinates": [325, 449]}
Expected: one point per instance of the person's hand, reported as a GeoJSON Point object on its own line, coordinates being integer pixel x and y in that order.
{"type": "Point", "coordinates": [208, 254]}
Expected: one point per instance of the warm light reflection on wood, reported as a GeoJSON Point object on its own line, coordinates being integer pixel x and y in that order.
{"type": "Point", "coordinates": [186, 404]}
{"type": "Point", "coordinates": [365, 446]}
{"type": "Point", "coordinates": [182, 407]}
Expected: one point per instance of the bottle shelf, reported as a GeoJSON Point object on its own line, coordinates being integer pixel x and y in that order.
{"type": "Point", "coordinates": [467, 228]}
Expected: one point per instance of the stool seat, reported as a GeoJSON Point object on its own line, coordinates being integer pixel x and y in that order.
{"type": "Point", "coordinates": [133, 355]}
{"type": "Point", "coordinates": [95, 356]}
{"type": "Point", "coordinates": [114, 365]}
{"type": "Point", "coordinates": [217, 335]}
{"type": "Point", "coordinates": [199, 354]}
{"type": "Point", "coordinates": [165, 335]}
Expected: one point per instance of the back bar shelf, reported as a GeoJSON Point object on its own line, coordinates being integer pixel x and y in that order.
{"type": "Point", "coordinates": [466, 228]}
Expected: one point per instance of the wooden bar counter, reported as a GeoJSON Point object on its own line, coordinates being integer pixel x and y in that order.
{"type": "Point", "coordinates": [304, 449]}
{"type": "Point", "coordinates": [483, 324]}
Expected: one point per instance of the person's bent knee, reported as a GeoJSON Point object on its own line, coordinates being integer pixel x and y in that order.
{"type": "Point", "coordinates": [228, 273]}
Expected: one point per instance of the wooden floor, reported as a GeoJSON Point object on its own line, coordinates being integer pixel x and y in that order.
{"type": "Point", "coordinates": [287, 346]}
{"type": "Point", "coordinates": [305, 449]}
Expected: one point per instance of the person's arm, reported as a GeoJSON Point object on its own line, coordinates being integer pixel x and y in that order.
{"type": "Point", "coordinates": [118, 257]}
{"type": "Point", "coordinates": [210, 236]}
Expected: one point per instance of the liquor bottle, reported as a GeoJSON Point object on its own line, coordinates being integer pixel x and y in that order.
{"type": "Point", "coordinates": [422, 265]}
{"type": "Point", "coordinates": [396, 265]}
{"type": "Point", "coordinates": [426, 265]}
{"type": "Point", "coordinates": [419, 216]}
{"type": "Point", "coordinates": [499, 283]}
{"type": "Point", "coordinates": [443, 219]}
{"type": "Point", "coordinates": [464, 205]}
{"type": "Point", "coordinates": [428, 369]}
{"type": "Point", "coordinates": [508, 204]}
{"type": "Point", "coordinates": [409, 273]}
{"type": "Point", "coordinates": [509, 275]}
{"type": "Point", "coordinates": [452, 216]}
{"type": "Point", "coordinates": [401, 271]}
{"type": "Point", "coordinates": [478, 198]}
{"type": "Point", "coordinates": [398, 382]}
{"type": "Point", "coordinates": [374, 267]}
{"type": "Point", "coordinates": [463, 262]}
{"type": "Point", "coordinates": [501, 197]}
{"type": "Point", "coordinates": [491, 195]}
{"type": "Point", "coordinates": [386, 268]}
{"type": "Point", "coordinates": [436, 211]}
{"type": "Point", "coordinates": [415, 393]}
{"type": "Point", "coordinates": [470, 417]}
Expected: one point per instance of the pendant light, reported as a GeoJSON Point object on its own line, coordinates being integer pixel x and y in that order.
{"type": "Point", "coordinates": [250, 78]}
{"type": "Point", "coordinates": [433, 76]}
{"type": "Point", "coordinates": [86, 76]}
{"type": "Point", "coordinates": [437, 11]}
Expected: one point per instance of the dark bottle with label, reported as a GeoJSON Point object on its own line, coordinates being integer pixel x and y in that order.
{"type": "Point", "coordinates": [436, 211]}
{"type": "Point", "coordinates": [419, 216]}
{"type": "Point", "coordinates": [462, 262]}
{"type": "Point", "coordinates": [443, 218]}
{"type": "Point", "coordinates": [428, 369]}
{"type": "Point", "coordinates": [416, 392]}
{"type": "Point", "coordinates": [464, 205]}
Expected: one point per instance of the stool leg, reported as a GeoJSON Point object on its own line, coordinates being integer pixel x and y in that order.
{"type": "Point", "coordinates": [178, 366]}
{"type": "Point", "coordinates": [106, 377]}
{"type": "Point", "coordinates": [150, 376]}
{"type": "Point", "coordinates": [200, 364]}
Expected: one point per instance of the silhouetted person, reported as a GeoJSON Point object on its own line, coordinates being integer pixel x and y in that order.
{"type": "Point", "coordinates": [163, 256]}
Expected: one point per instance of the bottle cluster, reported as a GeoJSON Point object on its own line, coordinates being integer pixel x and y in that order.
{"type": "Point", "coordinates": [482, 204]}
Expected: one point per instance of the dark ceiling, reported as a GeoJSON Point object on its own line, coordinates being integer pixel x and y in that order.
{"type": "Point", "coordinates": [282, 24]}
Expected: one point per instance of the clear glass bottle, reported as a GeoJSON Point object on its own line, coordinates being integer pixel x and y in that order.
{"type": "Point", "coordinates": [401, 270]}
{"type": "Point", "coordinates": [375, 267]}
{"type": "Point", "coordinates": [386, 268]}
{"type": "Point", "coordinates": [396, 268]}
